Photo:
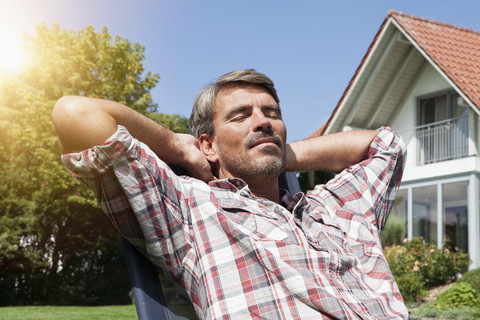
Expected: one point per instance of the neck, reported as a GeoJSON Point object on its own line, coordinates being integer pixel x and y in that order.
{"type": "Point", "coordinates": [260, 187]}
{"type": "Point", "coordinates": [267, 189]}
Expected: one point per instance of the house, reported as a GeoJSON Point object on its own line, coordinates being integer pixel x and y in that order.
{"type": "Point", "coordinates": [422, 78]}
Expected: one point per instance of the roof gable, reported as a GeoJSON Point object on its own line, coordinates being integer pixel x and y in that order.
{"type": "Point", "coordinates": [455, 50]}
{"type": "Point", "coordinates": [401, 49]}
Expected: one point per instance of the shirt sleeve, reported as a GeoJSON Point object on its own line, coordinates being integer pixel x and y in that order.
{"type": "Point", "coordinates": [144, 199]}
{"type": "Point", "coordinates": [368, 189]}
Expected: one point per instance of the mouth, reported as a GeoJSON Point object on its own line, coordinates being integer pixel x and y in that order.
{"type": "Point", "coordinates": [266, 141]}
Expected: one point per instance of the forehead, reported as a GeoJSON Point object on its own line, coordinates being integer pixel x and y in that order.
{"type": "Point", "coordinates": [241, 94]}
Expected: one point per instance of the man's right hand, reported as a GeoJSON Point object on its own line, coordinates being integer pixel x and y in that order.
{"type": "Point", "coordinates": [192, 158]}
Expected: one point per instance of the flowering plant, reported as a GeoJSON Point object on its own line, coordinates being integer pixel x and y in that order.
{"type": "Point", "coordinates": [418, 266]}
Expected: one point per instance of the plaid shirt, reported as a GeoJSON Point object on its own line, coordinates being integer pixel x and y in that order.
{"type": "Point", "coordinates": [313, 256]}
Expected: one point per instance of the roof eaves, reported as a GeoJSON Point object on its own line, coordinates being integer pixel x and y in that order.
{"type": "Point", "coordinates": [323, 130]}
{"type": "Point", "coordinates": [430, 59]}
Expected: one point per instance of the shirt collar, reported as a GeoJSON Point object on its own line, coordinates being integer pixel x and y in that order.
{"type": "Point", "coordinates": [238, 185]}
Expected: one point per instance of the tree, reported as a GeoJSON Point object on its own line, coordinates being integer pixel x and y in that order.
{"type": "Point", "coordinates": [49, 222]}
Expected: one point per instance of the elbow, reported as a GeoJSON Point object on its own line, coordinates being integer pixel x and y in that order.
{"type": "Point", "coordinates": [82, 122]}
{"type": "Point", "coordinates": [62, 109]}
{"type": "Point", "coordinates": [66, 116]}
{"type": "Point", "coordinates": [69, 111]}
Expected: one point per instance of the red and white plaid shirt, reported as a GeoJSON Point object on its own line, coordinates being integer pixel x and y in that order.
{"type": "Point", "coordinates": [313, 256]}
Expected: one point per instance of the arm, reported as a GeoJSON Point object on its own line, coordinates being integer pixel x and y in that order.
{"type": "Point", "coordinates": [333, 152]}
{"type": "Point", "coordinates": [82, 123]}
{"type": "Point", "coordinates": [368, 188]}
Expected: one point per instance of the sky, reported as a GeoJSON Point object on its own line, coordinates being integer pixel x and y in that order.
{"type": "Point", "coordinates": [310, 49]}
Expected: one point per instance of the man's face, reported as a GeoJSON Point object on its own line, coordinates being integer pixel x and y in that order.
{"type": "Point", "coordinates": [250, 135]}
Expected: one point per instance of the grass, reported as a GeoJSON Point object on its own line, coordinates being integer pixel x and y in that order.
{"type": "Point", "coordinates": [430, 311]}
{"type": "Point", "coordinates": [127, 312]}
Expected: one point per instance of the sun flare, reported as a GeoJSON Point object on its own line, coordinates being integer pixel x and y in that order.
{"type": "Point", "coordinates": [12, 55]}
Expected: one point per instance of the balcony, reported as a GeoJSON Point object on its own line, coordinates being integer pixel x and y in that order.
{"type": "Point", "coordinates": [439, 141]}
{"type": "Point", "coordinates": [443, 140]}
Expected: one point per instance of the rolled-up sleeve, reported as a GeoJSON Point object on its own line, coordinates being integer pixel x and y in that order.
{"type": "Point", "coordinates": [368, 189]}
{"type": "Point", "coordinates": [141, 195]}
{"type": "Point", "coordinates": [384, 165]}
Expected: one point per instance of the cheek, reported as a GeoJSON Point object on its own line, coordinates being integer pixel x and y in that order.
{"type": "Point", "coordinates": [232, 135]}
{"type": "Point", "coordinates": [228, 140]}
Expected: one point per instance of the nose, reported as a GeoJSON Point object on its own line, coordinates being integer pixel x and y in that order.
{"type": "Point", "coordinates": [261, 122]}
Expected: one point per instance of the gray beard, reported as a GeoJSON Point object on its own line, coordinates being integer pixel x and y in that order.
{"type": "Point", "coordinates": [257, 170]}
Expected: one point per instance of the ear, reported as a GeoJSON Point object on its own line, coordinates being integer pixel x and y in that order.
{"type": "Point", "coordinates": [208, 148]}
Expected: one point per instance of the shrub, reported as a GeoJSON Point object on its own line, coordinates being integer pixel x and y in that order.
{"type": "Point", "coordinates": [411, 286]}
{"type": "Point", "coordinates": [418, 266]}
{"type": "Point", "coordinates": [461, 294]}
{"type": "Point", "coordinates": [473, 279]}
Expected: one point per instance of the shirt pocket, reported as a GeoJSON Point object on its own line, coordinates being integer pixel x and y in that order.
{"type": "Point", "coordinates": [255, 220]}
{"type": "Point", "coordinates": [324, 233]}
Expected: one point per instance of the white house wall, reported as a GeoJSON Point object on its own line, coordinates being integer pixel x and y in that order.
{"type": "Point", "coordinates": [430, 81]}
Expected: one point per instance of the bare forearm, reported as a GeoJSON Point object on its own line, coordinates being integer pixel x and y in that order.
{"type": "Point", "coordinates": [333, 152]}
{"type": "Point", "coordinates": [83, 122]}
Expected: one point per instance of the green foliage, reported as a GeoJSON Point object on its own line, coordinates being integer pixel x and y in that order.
{"type": "Point", "coordinates": [418, 266]}
{"type": "Point", "coordinates": [88, 63]}
{"type": "Point", "coordinates": [472, 277]}
{"type": "Point", "coordinates": [173, 122]}
{"type": "Point", "coordinates": [430, 310]}
{"type": "Point", "coordinates": [410, 286]}
{"type": "Point", "coordinates": [394, 231]}
{"type": "Point", "coordinates": [461, 301]}
{"type": "Point", "coordinates": [459, 295]}
{"type": "Point", "coordinates": [49, 222]}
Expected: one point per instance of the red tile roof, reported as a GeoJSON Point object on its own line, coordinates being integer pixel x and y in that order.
{"type": "Point", "coordinates": [455, 50]}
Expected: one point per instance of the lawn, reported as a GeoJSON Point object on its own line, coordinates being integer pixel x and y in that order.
{"type": "Point", "coordinates": [127, 312]}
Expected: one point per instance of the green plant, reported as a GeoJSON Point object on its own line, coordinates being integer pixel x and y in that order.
{"type": "Point", "coordinates": [410, 286]}
{"type": "Point", "coordinates": [459, 295]}
{"type": "Point", "coordinates": [418, 266]}
{"type": "Point", "coordinates": [430, 310]}
{"type": "Point", "coordinates": [394, 231]}
{"type": "Point", "coordinates": [472, 278]}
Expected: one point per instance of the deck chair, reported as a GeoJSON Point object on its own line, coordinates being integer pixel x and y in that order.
{"type": "Point", "coordinates": [147, 291]}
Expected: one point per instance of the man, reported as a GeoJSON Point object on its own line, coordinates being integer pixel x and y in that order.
{"type": "Point", "coordinates": [240, 247]}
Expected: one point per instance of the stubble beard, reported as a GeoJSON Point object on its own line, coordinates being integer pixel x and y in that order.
{"type": "Point", "coordinates": [248, 169]}
{"type": "Point", "coordinates": [245, 167]}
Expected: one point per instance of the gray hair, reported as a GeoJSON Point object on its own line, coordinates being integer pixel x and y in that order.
{"type": "Point", "coordinates": [201, 119]}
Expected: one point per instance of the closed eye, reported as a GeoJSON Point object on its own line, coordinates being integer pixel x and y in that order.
{"type": "Point", "coordinates": [239, 117]}
{"type": "Point", "coordinates": [239, 113]}
{"type": "Point", "coordinates": [273, 112]}
{"type": "Point", "coordinates": [243, 112]}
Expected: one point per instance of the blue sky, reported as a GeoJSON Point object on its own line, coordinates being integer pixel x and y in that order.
{"type": "Point", "coordinates": [310, 49]}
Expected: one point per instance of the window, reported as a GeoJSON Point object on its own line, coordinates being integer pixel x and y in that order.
{"type": "Point", "coordinates": [439, 213]}
{"type": "Point", "coordinates": [442, 130]}
{"type": "Point", "coordinates": [455, 215]}
{"type": "Point", "coordinates": [399, 210]}
{"type": "Point", "coordinates": [425, 213]}
{"type": "Point", "coordinates": [395, 230]}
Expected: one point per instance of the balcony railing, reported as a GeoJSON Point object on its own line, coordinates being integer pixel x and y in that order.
{"type": "Point", "coordinates": [443, 140]}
